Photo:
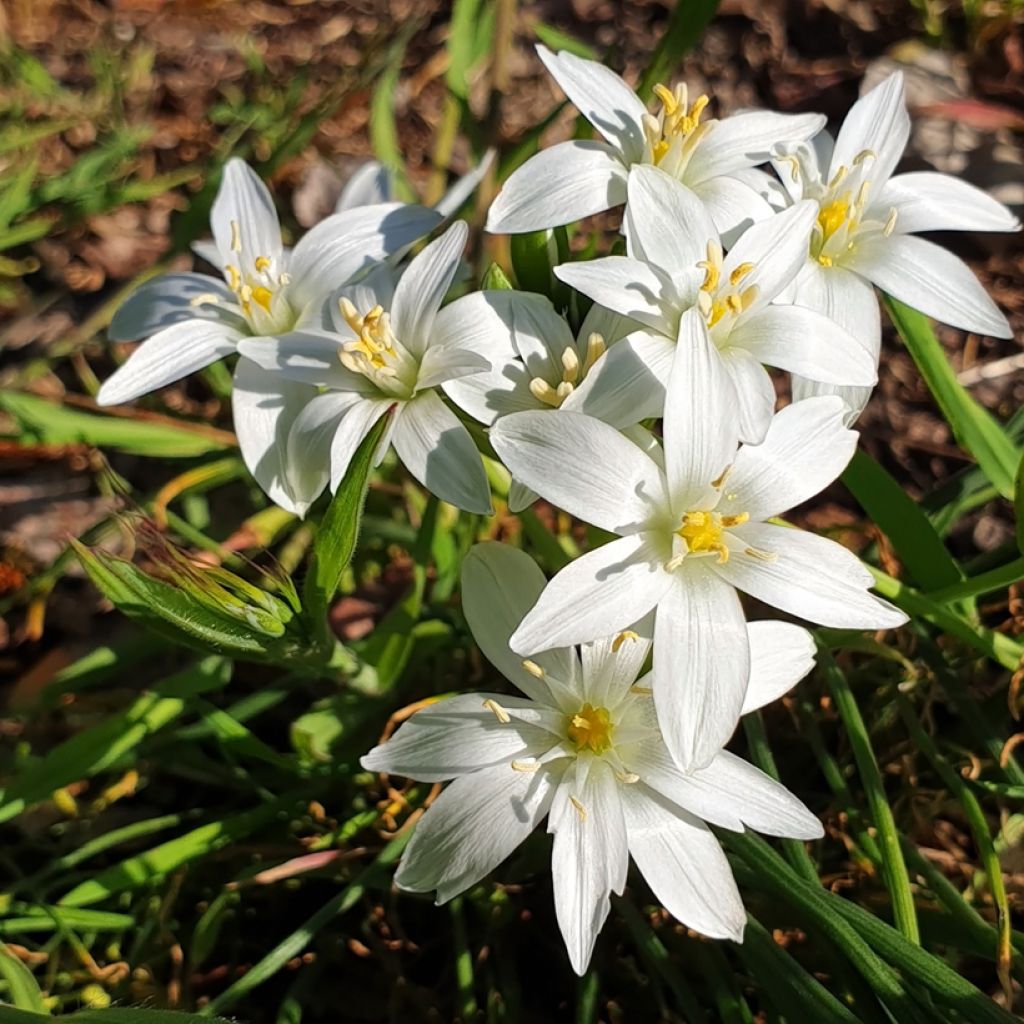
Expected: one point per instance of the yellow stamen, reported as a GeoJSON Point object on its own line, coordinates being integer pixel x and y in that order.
{"type": "Point", "coordinates": [761, 556]}
{"type": "Point", "coordinates": [580, 809]}
{"type": "Point", "coordinates": [595, 349]}
{"type": "Point", "coordinates": [534, 669]}
{"type": "Point", "coordinates": [526, 766]}
{"type": "Point", "coordinates": [498, 711]}
{"type": "Point", "coordinates": [628, 778]}
{"type": "Point", "coordinates": [236, 238]}
{"type": "Point", "coordinates": [570, 366]}
{"type": "Point", "coordinates": [262, 263]}
{"type": "Point", "coordinates": [625, 635]}
{"type": "Point", "coordinates": [740, 272]}
{"type": "Point", "coordinates": [702, 532]}
{"type": "Point", "coordinates": [591, 729]}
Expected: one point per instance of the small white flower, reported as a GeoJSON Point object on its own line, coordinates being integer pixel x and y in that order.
{"type": "Point", "coordinates": [692, 531]}
{"type": "Point", "coordinates": [583, 748]}
{"type": "Point", "coordinates": [390, 348]}
{"type": "Point", "coordinates": [574, 179]}
{"type": "Point", "coordinates": [866, 219]}
{"type": "Point", "coordinates": [675, 262]}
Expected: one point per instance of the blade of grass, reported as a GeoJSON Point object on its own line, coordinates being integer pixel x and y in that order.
{"type": "Point", "coordinates": [685, 25]}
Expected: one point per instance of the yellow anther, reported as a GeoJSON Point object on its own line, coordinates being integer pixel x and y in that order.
{"type": "Point", "coordinates": [234, 276]}
{"type": "Point", "coordinates": [526, 766]}
{"type": "Point", "coordinates": [761, 556]}
{"type": "Point", "coordinates": [643, 691]}
{"type": "Point", "coordinates": [840, 174]}
{"type": "Point", "coordinates": [262, 263]}
{"type": "Point", "coordinates": [864, 154]}
{"type": "Point", "coordinates": [498, 711]}
{"type": "Point", "coordinates": [236, 237]}
{"type": "Point", "coordinates": [206, 299]}
{"type": "Point", "coordinates": [890, 223]}
{"type": "Point", "coordinates": [675, 120]}
{"type": "Point", "coordinates": [740, 272]}
{"type": "Point", "coordinates": [563, 391]}
{"type": "Point", "coordinates": [719, 481]}
{"type": "Point", "coordinates": [628, 778]}
{"type": "Point", "coordinates": [544, 392]}
{"type": "Point", "coordinates": [595, 349]}
{"type": "Point", "coordinates": [712, 267]}
{"type": "Point", "coordinates": [534, 669]}
{"type": "Point", "coordinates": [626, 634]}
{"type": "Point", "coordinates": [591, 729]}
{"type": "Point", "coordinates": [580, 809]}
{"type": "Point", "coordinates": [570, 365]}
{"type": "Point", "coordinates": [703, 530]}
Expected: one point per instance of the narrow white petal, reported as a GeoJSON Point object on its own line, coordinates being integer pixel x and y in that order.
{"type": "Point", "coordinates": [806, 575]}
{"type": "Point", "coordinates": [582, 465]}
{"type": "Point", "coordinates": [926, 201]}
{"type": "Point", "coordinates": [589, 857]}
{"type": "Point", "coordinates": [500, 584]}
{"type": "Point", "coordinates": [243, 219]}
{"type": "Point", "coordinates": [755, 394]}
{"type": "Point", "coordinates": [471, 828]}
{"type": "Point", "coordinates": [733, 205]}
{"type": "Point", "coordinates": [627, 384]}
{"type": "Point", "coordinates": [596, 595]}
{"type": "Point", "coordinates": [459, 735]}
{"type": "Point", "coordinates": [265, 406]}
{"type": "Point", "coordinates": [877, 123]}
{"type": "Point", "coordinates": [368, 185]}
{"type": "Point", "coordinates": [748, 139]}
{"type": "Point", "coordinates": [449, 362]}
{"type": "Point", "coordinates": [701, 665]}
{"type": "Point", "coordinates": [781, 654]}
{"type": "Point", "coordinates": [343, 244]}
{"type": "Point", "coordinates": [170, 299]}
{"type": "Point", "coordinates": [637, 290]}
{"type": "Point", "coordinates": [497, 392]}
{"type": "Point", "coordinates": [520, 497]}
{"type": "Point", "coordinates": [306, 463]}
{"type": "Point", "coordinates": [665, 223]}
{"type": "Point", "coordinates": [602, 97]}
{"type": "Point", "coordinates": [361, 413]}
{"type": "Point", "coordinates": [565, 183]}
{"type": "Point", "coordinates": [684, 865]}
{"type": "Point", "coordinates": [167, 356]}
{"type": "Point", "coordinates": [806, 448]}
{"type": "Point", "coordinates": [450, 203]}
{"type": "Point", "coordinates": [307, 357]}
{"type": "Point", "coordinates": [700, 428]}
{"type": "Point", "coordinates": [806, 342]}
{"type": "Point", "coordinates": [437, 449]}
{"type": "Point", "coordinates": [760, 802]}
{"type": "Point", "coordinates": [930, 279]}
{"type": "Point", "coordinates": [423, 286]}
{"type": "Point", "coordinates": [612, 663]}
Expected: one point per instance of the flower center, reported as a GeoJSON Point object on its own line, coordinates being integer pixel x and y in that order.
{"type": "Point", "coordinates": [573, 372]}
{"type": "Point", "coordinates": [591, 729]}
{"type": "Point", "coordinates": [255, 289]}
{"type": "Point", "coordinates": [673, 133]}
{"type": "Point", "coordinates": [718, 299]}
{"type": "Point", "coordinates": [703, 531]}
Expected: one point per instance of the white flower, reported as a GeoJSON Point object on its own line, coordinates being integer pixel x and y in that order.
{"type": "Point", "coordinates": [675, 262]}
{"type": "Point", "coordinates": [866, 220]}
{"type": "Point", "coordinates": [575, 179]}
{"type": "Point", "coordinates": [582, 748]}
{"type": "Point", "coordinates": [391, 347]}
{"type": "Point", "coordinates": [536, 363]}
{"type": "Point", "coordinates": [692, 531]}
{"type": "Point", "coordinates": [192, 320]}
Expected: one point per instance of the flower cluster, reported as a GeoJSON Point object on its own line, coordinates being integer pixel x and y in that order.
{"type": "Point", "coordinates": [750, 242]}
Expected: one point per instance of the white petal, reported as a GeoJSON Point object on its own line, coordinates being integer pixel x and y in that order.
{"type": "Point", "coordinates": [307, 458]}
{"type": "Point", "coordinates": [806, 342]}
{"type": "Point", "coordinates": [760, 802]}
{"type": "Point", "coordinates": [781, 654]}
{"type": "Point", "coordinates": [926, 201]}
{"type": "Point", "coordinates": [684, 865]}
{"type": "Point", "coordinates": [602, 97]}
{"type": "Point", "coordinates": [879, 124]}
{"type": "Point", "coordinates": [445, 363]}
{"type": "Point", "coordinates": [806, 448]}
{"type": "Point", "coordinates": [437, 449]}
{"type": "Point", "coordinates": [700, 415]}
{"type": "Point", "coordinates": [596, 595]}
{"type": "Point", "coordinates": [805, 575]}
{"type": "Point", "coordinates": [733, 205]}
{"type": "Point", "coordinates": [701, 664]}
{"type": "Point", "coordinates": [612, 663]}
{"type": "Point", "coordinates": [636, 290]}
{"type": "Point", "coordinates": [206, 249]}
{"type": "Point", "coordinates": [170, 299]}
{"type": "Point", "coordinates": [243, 218]}
{"type": "Point", "coordinates": [538, 334]}
{"type": "Point", "coordinates": [589, 857]}
{"type": "Point", "coordinates": [748, 139]}
{"type": "Point", "coordinates": [627, 384]}
{"type": "Point", "coordinates": [265, 406]}
{"type": "Point", "coordinates": [471, 828]}
{"type": "Point", "coordinates": [582, 465]}
{"type": "Point", "coordinates": [755, 394]}
{"type": "Point", "coordinates": [368, 185]}
{"type": "Point", "coordinates": [930, 279]}
{"type": "Point", "coordinates": [559, 185]}
{"type": "Point", "coordinates": [665, 223]}
{"type": "Point", "coordinates": [329, 254]}
{"type": "Point", "coordinates": [459, 735]}
{"type": "Point", "coordinates": [167, 356]}
{"type": "Point", "coordinates": [450, 203]}
{"type": "Point", "coordinates": [361, 413]}
{"type": "Point", "coordinates": [422, 288]}
{"type": "Point", "coordinates": [520, 497]}
{"type": "Point", "coordinates": [610, 325]}
{"type": "Point", "coordinates": [500, 584]}
{"type": "Point", "coordinates": [307, 357]}
{"type": "Point", "coordinates": [498, 392]}
{"type": "Point", "coordinates": [777, 247]}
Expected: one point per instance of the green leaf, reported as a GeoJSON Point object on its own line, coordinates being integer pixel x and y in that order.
{"type": "Point", "coordinates": [462, 46]}
{"type": "Point", "coordinates": [535, 254]}
{"type": "Point", "coordinates": [902, 520]}
{"type": "Point", "coordinates": [975, 429]}
{"type": "Point", "coordinates": [1018, 504]}
{"type": "Point", "coordinates": [383, 129]}
{"type": "Point", "coordinates": [22, 988]}
{"type": "Point", "coordinates": [113, 1015]}
{"type": "Point", "coordinates": [687, 21]}
{"type": "Point", "coordinates": [337, 533]}
{"type": "Point", "coordinates": [42, 918]}
{"type": "Point", "coordinates": [556, 39]}
{"type": "Point", "coordinates": [48, 422]}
